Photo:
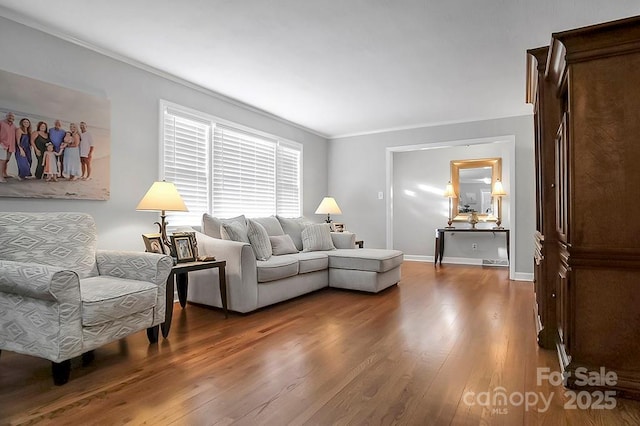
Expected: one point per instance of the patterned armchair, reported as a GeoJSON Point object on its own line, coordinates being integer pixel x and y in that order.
{"type": "Point", "coordinates": [60, 297]}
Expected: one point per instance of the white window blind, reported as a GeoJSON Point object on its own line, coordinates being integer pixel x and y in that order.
{"type": "Point", "coordinates": [244, 173]}
{"type": "Point", "coordinates": [185, 161]}
{"type": "Point", "coordinates": [288, 187]}
{"type": "Point", "coordinates": [227, 170]}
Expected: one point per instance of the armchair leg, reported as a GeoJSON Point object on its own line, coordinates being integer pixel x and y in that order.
{"type": "Point", "coordinates": [87, 358]}
{"type": "Point", "coordinates": [152, 333]}
{"type": "Point", "coordinates": [61, 372]}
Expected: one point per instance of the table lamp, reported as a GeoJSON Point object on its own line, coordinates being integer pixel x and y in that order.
{"type": "Point", "coordinates": [162, 196]}
{"type": "Point", "coordinates": [498, 192]}
{"type": "Point", "coordinates": [328, 206]}
{"type": "Point", "coordinates": [450, 194]}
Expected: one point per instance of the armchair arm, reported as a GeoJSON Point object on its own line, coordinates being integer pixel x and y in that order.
{"type": "Point", "coordinates": [38, 281]}
{"type": "Point", "coordinates": [141, 266]}
{"type": "Point", "coordinates": [149, 267]}
{"type": "Point", "coordinates": [42, 303]}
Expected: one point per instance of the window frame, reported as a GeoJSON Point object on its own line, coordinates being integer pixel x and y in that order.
{"type": "Point", "coordinates": [212, 121]}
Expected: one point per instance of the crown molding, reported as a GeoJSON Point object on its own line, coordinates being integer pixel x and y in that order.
{"type": "Point", "coordinates": [423, 125]}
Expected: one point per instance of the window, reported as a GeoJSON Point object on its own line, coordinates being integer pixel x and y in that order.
{"type": "Point", "coordinates": [226, 169]}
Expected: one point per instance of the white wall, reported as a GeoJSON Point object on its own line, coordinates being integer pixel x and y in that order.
{"type": "Point", "coordinates": [357, 174]}
{"type": "Point", "coordinates": [134, 95]}
{"type": "Point", "coordinates": [419, 179]}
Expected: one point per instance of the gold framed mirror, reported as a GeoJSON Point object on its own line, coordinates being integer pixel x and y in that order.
{"type": "Point", "coordinates": [472, 181]}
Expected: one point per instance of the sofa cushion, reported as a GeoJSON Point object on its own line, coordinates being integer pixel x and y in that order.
{"type": "Point", "coordinates": [271, 224]}
{"type": "Point", "coordinates": [276, 268]}
{"type": "Point", "coordinates": [317, 237]}
{"type": "Point", "coordinates": [106, 298]}
{"type": "Point", "coordinates": [293, 227]}
{"type": "Point", "coordinates": [344, 240]}
{"type": "Point", "coordinates": [376, 260]}
{"type": "Point", "coordinates": [312, 261]}
{"type": "Point", "coordinates": [259, 240]}
{"type": "Point", "coordinates": [282, 244]}
{"type": "Point", "coordinates": [211, 225]}
{"type": "Point", "coordinates": [234, 231]}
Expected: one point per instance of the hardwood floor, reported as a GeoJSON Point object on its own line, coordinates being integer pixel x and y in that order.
{"type": "Point", "coordinates": [409, 355]}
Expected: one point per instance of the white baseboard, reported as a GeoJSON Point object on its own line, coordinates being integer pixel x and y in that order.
{"type": "Point", "coordinates": [417, 258]}
{"type": "Point", "coordinates": [523, 276]}
{"type": "Point", "coordinates": [518, 276]}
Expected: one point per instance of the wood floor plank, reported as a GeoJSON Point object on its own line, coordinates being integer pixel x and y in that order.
{"type": "Point", "coordinates": [410, 355]}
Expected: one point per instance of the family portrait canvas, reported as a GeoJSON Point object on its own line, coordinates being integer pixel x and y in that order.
{"type": "Point", "coordinates": [54, 142]}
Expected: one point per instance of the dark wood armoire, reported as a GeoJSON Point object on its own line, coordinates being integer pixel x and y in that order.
{"type": "Point", "coordinates": [585, 87]}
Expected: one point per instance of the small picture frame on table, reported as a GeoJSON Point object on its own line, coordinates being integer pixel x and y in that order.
{"type": "Point", "coordinates": [192, 237]}
{"type": "Point", "coordinates": [338, 227]}
{"type": "Point", "coordinates": [183, 248]}
{"type": "Point", "coordinates": [153, 243]}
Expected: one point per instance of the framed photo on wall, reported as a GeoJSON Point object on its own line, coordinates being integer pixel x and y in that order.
{"type": "Point", "coordinates": [65, 125]}
{"type": "Point", "coordinates": [183, 248]}
{"type": "Point", "coordinates": [153, 243]}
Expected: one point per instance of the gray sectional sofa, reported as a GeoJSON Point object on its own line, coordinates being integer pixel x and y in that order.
{"type": "Point", "coordinates": [302, 257]}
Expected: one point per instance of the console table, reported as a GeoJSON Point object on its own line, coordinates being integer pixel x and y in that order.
{"type": "Point", "coordinates": [439, 249]}
{"type": "Point", "coordinates": [180, 274]}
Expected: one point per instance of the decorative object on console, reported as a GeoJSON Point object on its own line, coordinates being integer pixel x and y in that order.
{"type": "Point", "coordinates": [328, 206]}
{"type": "Point", "coordinates": [473, 219]}
{"type": "Point", "coordinates": [153, 243]}
{"type": "Point", "coordinates": [338, 227]}
{"type": "Point", "coordinates": [162, 196]}
{"type": "Point", "coordinates": [498, 192]}
{"type": "Point", "coordinates": [449, 193]}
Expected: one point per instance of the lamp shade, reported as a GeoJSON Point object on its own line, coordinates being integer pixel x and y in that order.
{"type": "Point", "coordinates": [328, 206]}
{"type": "Point", "coordinates": [448, 192]}
{"type": "Point", "coordinates": [162, 196]}
{"type": "Point", "coordinates": [498, 189]}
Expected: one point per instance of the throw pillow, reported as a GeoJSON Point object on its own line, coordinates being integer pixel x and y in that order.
{"type": "Point", "coordinates": [259, 240]}
{"type": "Point", "coordinates": [294, 227]}
{"type": "Point", "coordinates": [282, 244]}
{"type": "Point", "coordinates": [317, 237]}
{"type": "Point", "coordinates": [234, 231]}
{"type": "Point", "coordinates": [211, 225]}
{"type": "Point", "coordinates": [271, 224]}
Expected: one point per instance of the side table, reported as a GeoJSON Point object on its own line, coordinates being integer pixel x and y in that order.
{"type": "Point", "coordinates": [180, 275]}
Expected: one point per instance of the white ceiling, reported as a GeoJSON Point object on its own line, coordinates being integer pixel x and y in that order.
{"type": "Point", "coordinates": [337, 67]}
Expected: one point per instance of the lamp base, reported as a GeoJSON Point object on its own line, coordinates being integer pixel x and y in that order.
{"type": "Point", "coordinates": [163, 229]}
